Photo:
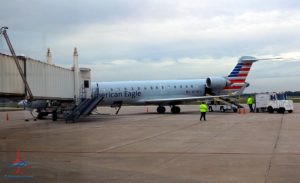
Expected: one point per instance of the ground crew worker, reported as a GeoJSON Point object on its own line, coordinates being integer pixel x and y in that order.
{"type": "Point", "coordinates": [203, 109]}
{"type": "Point", "coordinates": [250, 102]}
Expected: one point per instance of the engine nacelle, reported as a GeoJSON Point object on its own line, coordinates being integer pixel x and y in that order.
{"type": "Point", "coordinates": [216, 84]}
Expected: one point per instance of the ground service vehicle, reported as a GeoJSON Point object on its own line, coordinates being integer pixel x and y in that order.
{"type": "Point", "coordinates": [219, 106]}
{"type": "Point", "coordinates": [273, 101]}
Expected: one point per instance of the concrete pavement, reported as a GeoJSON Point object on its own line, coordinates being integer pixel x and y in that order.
{"type": "Point", "coordinates": [140, 146]}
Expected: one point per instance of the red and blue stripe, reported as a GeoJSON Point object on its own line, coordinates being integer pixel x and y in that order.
{"type": "Point", "coordinates": [238, 75]}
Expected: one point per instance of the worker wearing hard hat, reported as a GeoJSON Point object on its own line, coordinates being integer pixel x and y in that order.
{"type": "Point", "coordinates": [203, 109]}
{"type": "Point", "coordinates": [250, 102]}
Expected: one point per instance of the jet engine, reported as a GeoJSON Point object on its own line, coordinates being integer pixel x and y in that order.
{"type": "Point", "coordinates": [215, 84]}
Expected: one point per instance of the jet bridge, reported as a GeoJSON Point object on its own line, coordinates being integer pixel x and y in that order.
{"type": "Point", "coordinates": [24, 76]}
{"type": "Point", "coordinates": [46, 83]}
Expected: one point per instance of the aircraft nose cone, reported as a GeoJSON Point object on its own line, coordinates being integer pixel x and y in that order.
{"type": "Point", "coordinates": [22, 103]}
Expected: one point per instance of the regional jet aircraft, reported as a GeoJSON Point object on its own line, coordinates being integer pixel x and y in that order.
{"type": "Point", "coordinates": [174, 92]}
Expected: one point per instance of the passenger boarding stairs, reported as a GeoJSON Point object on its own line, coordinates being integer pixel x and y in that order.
{"type": "Point", "coordinates": [85, 107]}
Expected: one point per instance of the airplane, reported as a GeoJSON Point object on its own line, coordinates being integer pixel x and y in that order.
{"type": "Point", "coordinates": [167, 92]}
{"type": "Point", "coordinates": [174, 92]}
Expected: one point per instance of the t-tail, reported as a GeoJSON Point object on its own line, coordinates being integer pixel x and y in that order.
{"type": "Point", "coordinates": [238, 75]}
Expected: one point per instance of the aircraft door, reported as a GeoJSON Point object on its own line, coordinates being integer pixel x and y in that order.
{"type": "Point", "coordinates": [163, 89]}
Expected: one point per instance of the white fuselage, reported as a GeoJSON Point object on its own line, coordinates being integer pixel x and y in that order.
{"type": "Point", "coordinates": [135, 92]}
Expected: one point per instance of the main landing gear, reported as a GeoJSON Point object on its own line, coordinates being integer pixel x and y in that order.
{"type": "Point", "coordinates": [175, 109]}
{"type": "Point", "coordinates": [162, 109]}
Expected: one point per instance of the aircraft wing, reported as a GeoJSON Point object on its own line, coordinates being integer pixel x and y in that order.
{"type": "Point", "coordinates": [178, 100]}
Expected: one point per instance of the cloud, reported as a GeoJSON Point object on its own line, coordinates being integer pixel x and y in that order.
{"type": "Point", "coordinates": [188, 36]}
{"type": "Point", "coordinates": [154, 39]}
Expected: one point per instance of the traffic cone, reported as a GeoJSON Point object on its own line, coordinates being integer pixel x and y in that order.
{"type": "Point", "coordinates": [7, 117]}
{"type": "Point", "coordinates": [241, 111]}
{"type": "Point", "coordinates": [244, 111]}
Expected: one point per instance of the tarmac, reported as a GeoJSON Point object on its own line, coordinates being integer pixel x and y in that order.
{"type": "Point", "coordinates": [139, 145]}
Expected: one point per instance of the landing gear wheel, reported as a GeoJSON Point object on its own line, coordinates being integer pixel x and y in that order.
{"type": "Point", "coordinates": [39, 116]}
{"type": "Point", "coordinates": [290, 111]}
{"type": "Point", "coordinates": [161, 109]}
{"type": "Point", "coordinates": [175, 110]}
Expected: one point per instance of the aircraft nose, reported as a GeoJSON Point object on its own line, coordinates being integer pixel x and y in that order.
{"type": "Point", "coordinates": [22, 103]}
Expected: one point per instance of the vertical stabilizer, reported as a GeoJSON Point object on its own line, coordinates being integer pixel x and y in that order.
{"type": "Point", "coordinates": [238, 75]}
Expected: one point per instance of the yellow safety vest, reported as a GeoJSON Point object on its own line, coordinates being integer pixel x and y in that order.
{"type": "Point", "coordinates": [203, 107]}
{"type": "Point", "coordinates": [250, 100]}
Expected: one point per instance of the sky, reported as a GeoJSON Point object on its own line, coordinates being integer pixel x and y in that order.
{"type": "Point", "coordinates": [161, 39]}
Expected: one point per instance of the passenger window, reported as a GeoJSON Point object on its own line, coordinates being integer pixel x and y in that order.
{"type": "Point", "coordinates": [186, 86]}
{"type": "Point", "coordinates": [139, 88]}
{"type": "Point", "coordinates": [125, 89]}
{"type": "Point", "coordinates": [174, 86]}
{"type": "Point", "coordinates": [192, 86]}
{"type": "Point", "coordinates": [156, 87]}
{"type": "Point", "coordinates": [145, 88]}
{"type": "Point", "coordinates": [162, 87]}
{"type": "Point", "coordinates": [180, 86]}
{"type": "Point", "coordinates": [111, 89]}
{"type": "Point", "coordinates": [151, 87]}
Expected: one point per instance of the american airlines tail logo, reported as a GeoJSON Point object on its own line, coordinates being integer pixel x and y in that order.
{"type": "Point", "coordinates": [238, 75]}
{"type": "Point", "coordinates": [19, 167]}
